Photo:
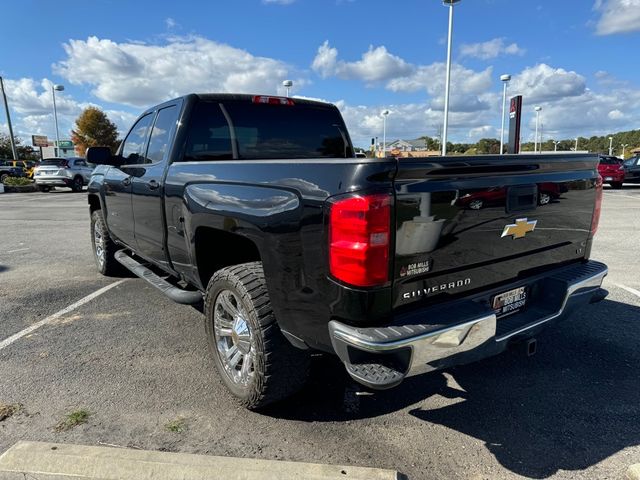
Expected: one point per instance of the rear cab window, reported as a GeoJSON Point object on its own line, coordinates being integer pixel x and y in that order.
{"type": "Point", "coordinates": [247, 130]}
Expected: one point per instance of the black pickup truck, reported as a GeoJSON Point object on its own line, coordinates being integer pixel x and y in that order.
{"type": "Point", "coordinates": [257, 209]}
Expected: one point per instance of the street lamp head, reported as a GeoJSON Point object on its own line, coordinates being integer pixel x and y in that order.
{"type": "Point", "coordinates": [538, 109]}
{"type": "Point", "coordinates": [610, 138]}
{"type": "Point", "coordinates": [505, 78]}
{"type": "Point", "coordinates": [448, 3]}
{"type": "Point", "coordinates": [385, 112]}
{"type": "Point", "coordinates": [287, 83]}
{"type": "Point", "coordinates": [58, 88]}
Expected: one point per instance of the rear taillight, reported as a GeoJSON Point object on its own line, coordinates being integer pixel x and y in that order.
{"type": "Point", "coordinates": [273, 100]}
{"type": "Point", "coordinates": [359, 239]}
{"type": "Point", "coordinates": [598, 208]}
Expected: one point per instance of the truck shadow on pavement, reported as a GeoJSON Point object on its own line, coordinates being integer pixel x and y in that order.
{"type": "Point", "coordinates": [571, 406]}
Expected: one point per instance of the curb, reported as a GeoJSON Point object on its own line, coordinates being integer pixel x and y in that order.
{"type": "Point", "coordinates": [634, 472]}
{"type": "Point", "coordinates": [51, 461]}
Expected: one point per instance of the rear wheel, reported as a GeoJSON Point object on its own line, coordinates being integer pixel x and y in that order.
{"type": "Point", "coordinates": [476, 204]}
{"type": "Point", "coordinates": [104, 248]}
{"type": "Point", "coordinates": [616, 185]}
{"type": "Point", "coordinates": [544, 198]}
{"type": "Point", "coordinates": [253, 358]}
{"type": "Point", "coordinates": [44, 188]}
{"type": "Point", "coordinates": [77, 184]}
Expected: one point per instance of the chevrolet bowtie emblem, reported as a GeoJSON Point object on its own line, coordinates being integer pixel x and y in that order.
{"type": "Point", "coordinates": [520, 228]}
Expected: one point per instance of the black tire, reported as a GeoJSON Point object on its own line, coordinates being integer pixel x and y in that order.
{"type": "Point", "coordinates": [279, 368]}
{"type": "Point", "coordinates": [108, 266]}
{"type": "Point", "coordinates": [77, 184]}
{"type": "Point", "coordinates": [3, 177]}
{"type": "Point", "coordinates": [44, 188]}
{"type": "Point", "coordinates": [616, 185]}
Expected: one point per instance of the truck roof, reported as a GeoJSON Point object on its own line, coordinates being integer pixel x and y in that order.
{"type": "Point", "coordinates": [249, 97]}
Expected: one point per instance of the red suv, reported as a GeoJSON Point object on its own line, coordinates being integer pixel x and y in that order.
{"type": "Point", "coordinates": [611, 169]}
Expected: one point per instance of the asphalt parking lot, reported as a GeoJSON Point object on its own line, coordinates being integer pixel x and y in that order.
{"type": "Point", "coordinates": [138, 364]}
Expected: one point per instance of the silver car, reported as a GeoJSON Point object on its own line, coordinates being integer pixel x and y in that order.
{"type": "Point", "coordinates": [73, 172]}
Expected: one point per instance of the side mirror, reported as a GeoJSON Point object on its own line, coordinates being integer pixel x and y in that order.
{"type": "Point", "coordinates": [100, 156]}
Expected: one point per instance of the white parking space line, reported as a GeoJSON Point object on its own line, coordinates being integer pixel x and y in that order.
{"type": "Point", "coordinates": [628, 289]}
{"type": "Point", "coordinates": [623, 195]}
{"type": "Point", "coordinates": [5, 343]}
{"type": "Point", "coordinates": [16, 251]}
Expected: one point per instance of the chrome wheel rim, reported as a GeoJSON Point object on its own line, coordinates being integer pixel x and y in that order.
{"type": "Point", "coordinates": [234, 338]}
{"type": "Point", "coordinates": [476, 205]}
{"type": "Point", "coordinates": [545, 198]}
{"type": "Point", "coordinates": [98, 241]}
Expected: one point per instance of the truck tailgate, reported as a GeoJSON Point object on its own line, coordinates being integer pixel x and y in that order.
{"type": "Point", "coordinates": [469, 223]}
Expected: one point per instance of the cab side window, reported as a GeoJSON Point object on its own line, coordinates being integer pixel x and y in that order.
{"type": "Point", "coordinates": [134, 145]}
{"type": "Point", "coordinates": [161, 134]}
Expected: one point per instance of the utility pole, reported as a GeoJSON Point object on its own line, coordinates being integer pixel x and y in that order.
{"type": "Point", "coordinates": [445, 128]}
{"type": "Point", "coordinates": [6, 109]}
{"type": "Point", "coordinates": [505, 80]}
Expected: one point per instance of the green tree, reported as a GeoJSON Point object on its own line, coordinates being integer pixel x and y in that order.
{"type": "Point", "coordinates": [25, 152]}
{"type": "Point", "coordinates": [93, 129]}
{"type": "Point", "coordinates": [488, 145]}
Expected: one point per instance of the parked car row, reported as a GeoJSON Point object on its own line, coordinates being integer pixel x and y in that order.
{"type": "Point", "coordinates": [615, 171]}
{"type": "Point", "coordinates": [8, 169]}
{"type": "Point", "coordinates": [73, 172]}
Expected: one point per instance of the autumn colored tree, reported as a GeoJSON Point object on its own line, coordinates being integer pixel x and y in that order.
{"type": "Point", "coordinates": [94, 129]}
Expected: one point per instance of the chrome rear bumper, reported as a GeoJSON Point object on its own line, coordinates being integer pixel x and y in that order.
{"type": "Point", "coordinates": [460, 332]}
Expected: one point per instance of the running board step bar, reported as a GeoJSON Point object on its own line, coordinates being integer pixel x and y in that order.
{"type": "Point", "coordinates": [185, 297]}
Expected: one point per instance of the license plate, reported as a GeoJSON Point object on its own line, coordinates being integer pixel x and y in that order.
{"type": "Point", "coordinates": [510, 302]}
{"type": "Point", "coordinates": [608, 179]}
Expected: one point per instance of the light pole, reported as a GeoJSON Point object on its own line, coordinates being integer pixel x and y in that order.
{"type": "Point", "coordinates": [624, 147]}
{"type": "Point", "coordinates": [576, 144]}
{"type": "Point", "coordinates": [450, 4]}
{"type": "Point", "coordinates": [610, 146]}
{"type": "Point", "coordinates": [505, 81]}
{"type": "Point", "coordinates": [555, 145]}
{"type": "Point", "coordinates": [535, 142]}
{"type": "Point", "coordinates": [54, 89]}
{"type": "Point", "coordinates": [385, 113]}
{"type": "Point", "coordinates": [6, 109]}
{"type": "Point", "coordinates": [288, 84]}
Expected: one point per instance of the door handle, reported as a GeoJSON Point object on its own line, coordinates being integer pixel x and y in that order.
{"type": "Point", "coordinates": [153, 185]}
{"type": "Point", "coordinates": [126, 182]}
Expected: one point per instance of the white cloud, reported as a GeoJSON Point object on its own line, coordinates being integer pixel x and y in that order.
{"type": "Point", "coordinates": [491, 49]}
{"type": "Point", "coordinates": [31, 104]}
{"type": "Point", "coordinates": [142, 74]}
{"type": "Point", "coordinates": [543, 83]}
{"type": "Point", "coordinates": [616, 114]}
{"type": "Point", "coordinates": [617, 16]}
{"type": "Point", "coordinates": [432, 79]}
{"type": "Point", "coordinates": [376, 65]}
{"type": "Point", "coordinates": [171, 23]}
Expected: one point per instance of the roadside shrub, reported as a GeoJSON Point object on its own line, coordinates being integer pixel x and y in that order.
{"type": "Point", "coordinates": [17, 181]}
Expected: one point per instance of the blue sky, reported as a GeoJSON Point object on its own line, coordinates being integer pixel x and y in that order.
{"type": "Point", "coordinates": [575, 58]}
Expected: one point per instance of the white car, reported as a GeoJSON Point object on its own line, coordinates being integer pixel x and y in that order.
{"type": "Point", "coordinates": [73, 172]}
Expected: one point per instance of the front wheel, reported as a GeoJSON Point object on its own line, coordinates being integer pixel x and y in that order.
{"type": "Point", "coordinates": [104, 248]}
{"type": "Point", "coordinates": [616, 185]}
{"type": "Point", "coordinates": [253, 358]}
{"type": "Point", "coordinates": [44, 188]}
